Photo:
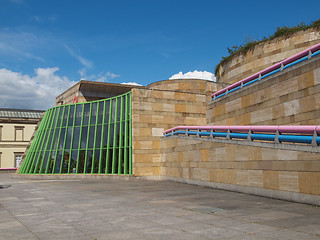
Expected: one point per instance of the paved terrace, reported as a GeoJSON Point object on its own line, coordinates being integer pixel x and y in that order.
{"type": "Point", "coordinates": [73, 209]}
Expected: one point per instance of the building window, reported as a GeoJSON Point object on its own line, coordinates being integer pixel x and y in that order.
{"type": "Point", "coordinates": [0, 157]}
{"type": "Point", "coordinates": [18, 134]}
{"type": "Point", "coordinates": [0, 133]}
{"type": "Point", "coordinates": [17, 159]}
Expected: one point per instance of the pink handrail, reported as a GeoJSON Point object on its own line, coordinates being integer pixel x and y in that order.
{"type": "Point", "coordinates": [310, 129]}
{"type": "Point", "coordinates": [286, 61]}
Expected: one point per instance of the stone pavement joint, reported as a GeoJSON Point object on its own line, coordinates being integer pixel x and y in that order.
{"type": "Point", "coordinates": [115, 209]}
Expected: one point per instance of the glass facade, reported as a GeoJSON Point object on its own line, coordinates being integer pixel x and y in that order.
{"type": "Point", "coordinates": [83, 138]}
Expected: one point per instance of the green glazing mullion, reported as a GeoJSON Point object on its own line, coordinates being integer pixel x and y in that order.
{"type": "Point", "coordinates": [126, 138]}
{"type": "Point", "coordinates": [71, 140]}
{"type": "Point", "coordinates": [54, 125]}
{"type": "Point", "coordinates": [130, 135]}
{"type": "Point", "coordinates": [88, 138]}
{"type": "Point", "coordinates": [38, 143]}
{"type": "Point", "coordinates": [94, 140]}
{"type": "Point", "coordinates": [48, 146]}
{"type": "Point", "coordinates": [115, 137]}
{"type": "Point", "coordinates": [120, 136]}
{"type": "Point", "coordinates": [50, 120]}
{"type": "Point", "coordinates": [65, 138]}
{"type": "Point", "coordinates": [34, 150]}
{"type": "Point", "coordinates": [43, 136]}
{"type": "Point", "coordinates": [109, 136]}
{"type": "Point", "coordinates": [102, 135]}
{"type": "Point", "coordinates": [80, 136]}
{"type": "Point", "coordinates": [60, 128]}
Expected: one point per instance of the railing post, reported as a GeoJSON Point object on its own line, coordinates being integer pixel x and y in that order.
{"type": "Point", "coordinates": [281, 66]}
{"type": "Point", "coordinates": [227, 91]}
{"type": "Point", "coordinates": [228, 134]}
{"type": "Point", "coordinates": [249, 136]}
{"type": "Point", "coordinates": [241, 85]}
{"type": "Point", "coordinates": [310, 54]}
{"type": "Point", "coordinates": [187, 132]}
{"type": "Point", "coordinates": [259, 76]}
{"type": "Point", "coordinates": [276, 139]}
{"type": "Point", "coordinates": [211, 133]}
{"type": "Point", "coordinates": [198, 135]}
{"type": "Point", "coordinates": [314, 139]}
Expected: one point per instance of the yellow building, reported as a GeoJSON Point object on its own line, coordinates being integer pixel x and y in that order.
{"type": "Point", "coordinates": [16, 129]}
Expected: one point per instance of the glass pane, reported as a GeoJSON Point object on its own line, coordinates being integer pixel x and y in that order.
{"type": "Point", "coordinates": [84, 137]}
{"type": "Point", "coordinates": [65, 116]}
{"type": "Point", "coordinates": [78, 114]}
{"type": "Point", "coordinates": [71, 115]}
{"type": "Point", "coordinates": [60, 116]}
{"type": "Point", "coordinates": [119, 108]}
{"type": "Point", "coordinates": [86, 114]}
{"type": "Point", "coordinates": [69, 135]}
{"type": "Point", "coordinates": [107, 105]}
{"type": "Point", "coordinates": [73, 159]}
{"type": "Point", "coordinates": [91, 136]}
{"type": "Point", "coordinates": [44, 143]}
{"type": "Point", "coordinates": [62, 136]}
{"type": "Point", "coordinates": [76, 134]}
{"type": "Point", "coordinates": [45, 160]}
{"type": "Point", "coordinates": [113, 110]}
{"type": "Point", "coordinates": [100, 116]}
{"type": "Point", "coordinates": [104, 154]}
{"type": "Point", "coordinates": [65, 163]}
{"type": "Point", "coordinates": [96, 161]}
{"type": "Point", "coordinates": [105, 137]}
{"type": "Point", "coordinates": [98, 136]}
{"type": "Point", "coordinates": [58, 162]}
{"type": "Point", "coordinates": [55, 140]}
{"type": "Point", "coordinates": [93, 113]}
{"type": "Point", "coordinates": [51, 161]}
{"type": "Point", "coordinates": [82, 155]}
{"type": "Point", "coordinates": [89, 161]}
{"type": "Point", "coordinates": [56, 110]}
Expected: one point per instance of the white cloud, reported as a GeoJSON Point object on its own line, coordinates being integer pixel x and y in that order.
{"type": "Point", "coordinates": [31, 92]}
{"type": "Point", "coordinates": [132, 83]}
{"type": "Point", "coordinates": [195, 75]}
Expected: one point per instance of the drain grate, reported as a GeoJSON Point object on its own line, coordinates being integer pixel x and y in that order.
{"type": "Point", "coordinates": [4, 186]}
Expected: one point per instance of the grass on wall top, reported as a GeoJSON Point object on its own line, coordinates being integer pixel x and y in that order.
{"type": "Point", "coordinates": [249, 45]}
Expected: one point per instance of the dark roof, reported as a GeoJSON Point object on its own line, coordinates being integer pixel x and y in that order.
{"type": "Point", "coordinates": [20, 113]}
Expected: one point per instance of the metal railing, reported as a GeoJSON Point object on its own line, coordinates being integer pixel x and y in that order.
{"type": "Point", "coordinates": [277, 134]}
{"type": "Point", "coordinates": [293, 60]}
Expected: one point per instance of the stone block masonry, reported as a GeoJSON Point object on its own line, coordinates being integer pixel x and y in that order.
{"type": "Point", "coordinates": [288, 97]}
{"type": "Point", "coordinates": [153, 111]}
{"type": "Point", "coordinates": [288, 174]}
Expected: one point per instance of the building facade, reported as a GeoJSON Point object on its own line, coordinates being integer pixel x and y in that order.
{"type": "Point", "coordinates": [16, 129]}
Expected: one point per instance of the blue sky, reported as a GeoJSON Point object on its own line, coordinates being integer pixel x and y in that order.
{"type": "Point", "coordinates": [47, 46]}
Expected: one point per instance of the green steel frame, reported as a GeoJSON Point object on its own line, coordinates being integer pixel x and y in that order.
{"type": "Point", "coordinates": [83, 138]}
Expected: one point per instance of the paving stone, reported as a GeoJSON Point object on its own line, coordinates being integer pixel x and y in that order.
{"type": "Point", "coordinates": [146, 210]}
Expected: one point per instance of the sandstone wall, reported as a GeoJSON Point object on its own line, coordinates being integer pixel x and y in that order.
{"type": "Point", "coordinates": [288, 97]}
{"type": "Point", "coordinates": [241, 165]}
{"type": "Point", "coordinates": [265, 55]}
{"type": "Point", "coordinates": [154, 111]}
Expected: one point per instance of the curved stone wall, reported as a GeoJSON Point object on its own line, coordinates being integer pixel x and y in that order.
{"type": "Point", "coordinates": [265, 55]}
{"type": "Point", "coordinates": [187, 85]}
